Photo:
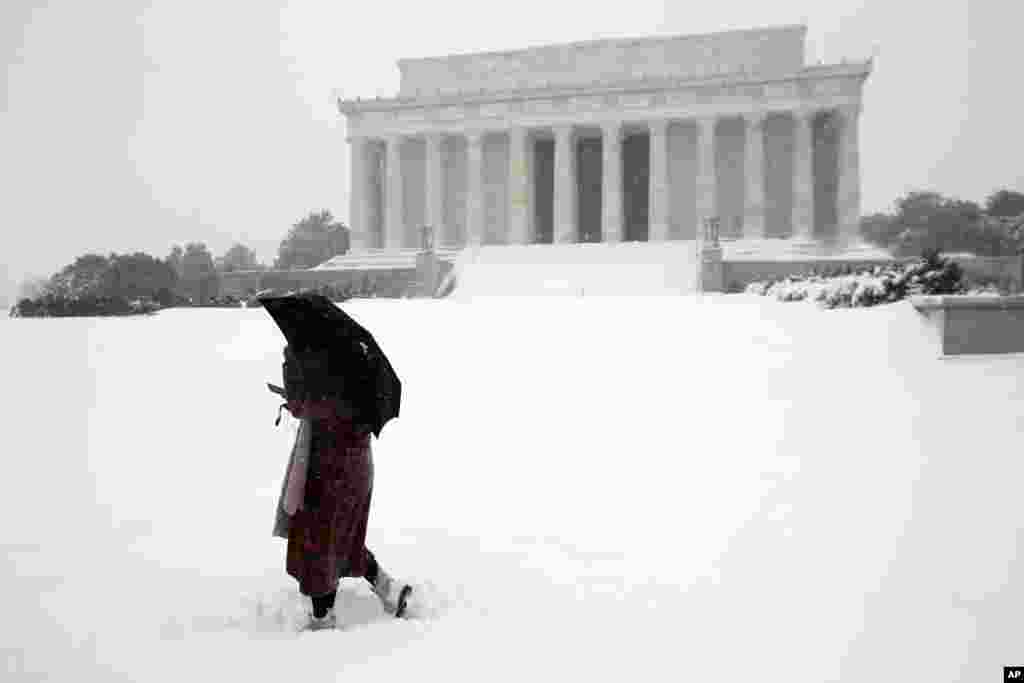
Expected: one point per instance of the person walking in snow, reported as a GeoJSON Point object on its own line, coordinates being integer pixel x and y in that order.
{"type": "Point", "coordinates": [325, 503]}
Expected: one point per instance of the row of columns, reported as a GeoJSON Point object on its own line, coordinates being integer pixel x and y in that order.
{"type": "Point", "coordinates": [520, 186]}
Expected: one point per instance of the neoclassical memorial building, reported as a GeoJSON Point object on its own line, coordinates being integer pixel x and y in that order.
{"type": "Point", "coordinates": [611, 141]}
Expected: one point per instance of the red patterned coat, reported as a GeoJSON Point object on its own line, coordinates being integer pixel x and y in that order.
{"type": "Point", "coordinates": [327, 535]}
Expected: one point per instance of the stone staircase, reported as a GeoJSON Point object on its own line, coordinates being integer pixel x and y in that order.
{"type": "Point", "coordinates": [629, 268]}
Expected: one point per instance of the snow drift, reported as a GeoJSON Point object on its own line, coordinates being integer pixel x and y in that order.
{"type": "Point", "coordinates": [594, 488]}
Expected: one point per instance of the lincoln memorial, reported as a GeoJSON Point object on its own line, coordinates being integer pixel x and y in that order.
{"type": "Point", "coordinates": [611, 141]}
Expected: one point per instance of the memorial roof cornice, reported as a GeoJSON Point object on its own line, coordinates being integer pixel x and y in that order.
{"type": "Point", "coordinates": [607, 42]}
{"type": "Point", "coordinates": [842, 69]}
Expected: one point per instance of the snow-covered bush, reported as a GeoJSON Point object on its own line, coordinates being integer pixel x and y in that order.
{"type": "Point", "coordinates": [759, 288]}
{"type": "Point", "coordinates": [52, 305]}
{"type": "Point", "coordinates": [843, 287]}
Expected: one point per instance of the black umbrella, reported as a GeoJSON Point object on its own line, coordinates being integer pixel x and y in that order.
{"type": "Point", "coordinates": [337, 357]}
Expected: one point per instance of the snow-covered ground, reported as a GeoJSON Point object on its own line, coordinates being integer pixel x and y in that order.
{"type": "Point", "coordinates": [639, 268]}
{"type": "Point", "coordinates": [685, 488]}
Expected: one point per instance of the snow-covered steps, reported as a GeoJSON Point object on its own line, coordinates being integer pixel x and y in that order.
{"type": "Point", "coordinates": [629, 268]}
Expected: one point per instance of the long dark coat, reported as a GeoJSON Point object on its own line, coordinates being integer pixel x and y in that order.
{"type": "Point", "coordinates": [327, 536]}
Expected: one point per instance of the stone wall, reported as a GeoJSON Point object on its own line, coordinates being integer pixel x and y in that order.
{"type": "Point", "coordinates": [975, 325]}
{"type": "Point", "coordinates": [735, 275]}
{"type": "Point", "coordinates": [767, 50]}
{"type": "Point", "coordinates": [387, 282]}
{"type": "Point", "coordinates": [738, 274]}
{"type": "Point", "coordinates": [1005, 270]}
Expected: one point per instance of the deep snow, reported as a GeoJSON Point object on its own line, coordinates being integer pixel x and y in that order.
{"type": "Point", "coordinates": [701, 488]}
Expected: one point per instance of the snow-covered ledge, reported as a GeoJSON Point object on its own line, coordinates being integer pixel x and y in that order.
{"type": "Point", "coordinates": [975, 324]}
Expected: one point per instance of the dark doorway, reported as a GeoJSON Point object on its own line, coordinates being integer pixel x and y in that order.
{"type": "Point", "coordinates": [636, 172]}
{"type": "Point", "coordinates": [588, 189]}
{"type": "Point", "coordinates": [544, 191]}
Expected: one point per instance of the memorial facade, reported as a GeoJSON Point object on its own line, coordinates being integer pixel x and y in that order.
{"type": "Point", "coordinates": [610, 141]}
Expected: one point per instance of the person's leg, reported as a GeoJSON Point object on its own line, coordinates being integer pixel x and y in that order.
{"type": "Point", "coordinates": [372, 568]}
{"type": "Point", "coordinates": [393, 594]}
{"type": "Point", "coordinates": [323, 603]}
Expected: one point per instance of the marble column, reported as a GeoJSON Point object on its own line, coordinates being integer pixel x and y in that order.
{"type": "Point", "coordinates": [434, 188]}
{"type": "Point", "coordinates": [707, 204]}
{"type": "Point", "coordinates": [658, 200]}
{"type": "Point", "coordinates": [395, 222]}
{"type": "Point", "coordinates": [611, 183]}
{"type": "Point", "coordinates": [359, 224]}
{"type": "Point", "coordinates": [475, 188]}
{"type": "Point", "coordinates": [803, 175]}
{"type": "Point", "coordinates": [753, 170]}
{"type": "Point", "coordinates": [848, 196]}
{"type": "Point", "coordinates": [519, 186]}
{"type": "Point", "coordinates": [565, 186]}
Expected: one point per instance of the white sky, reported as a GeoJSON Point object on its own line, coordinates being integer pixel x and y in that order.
{"type": "Point", "coordinates": [136, 125]}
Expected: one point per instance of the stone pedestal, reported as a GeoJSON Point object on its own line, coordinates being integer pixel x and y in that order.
{"type": "Point", "coordinates": [712, 272]}
{"type": "Point", "coordinates": [428, 273]}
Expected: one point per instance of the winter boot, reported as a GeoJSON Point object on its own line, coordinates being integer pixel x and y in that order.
{"type": "Point", "coordinates": [394, 595]}
{"type": "Point", "coordinates": [323, 616]}
{"type": "Point", "coordinates": [326, 622]}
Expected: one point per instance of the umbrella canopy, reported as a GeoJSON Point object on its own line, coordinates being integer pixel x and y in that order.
{"type": "Point", "coordinates": [338, 356]}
